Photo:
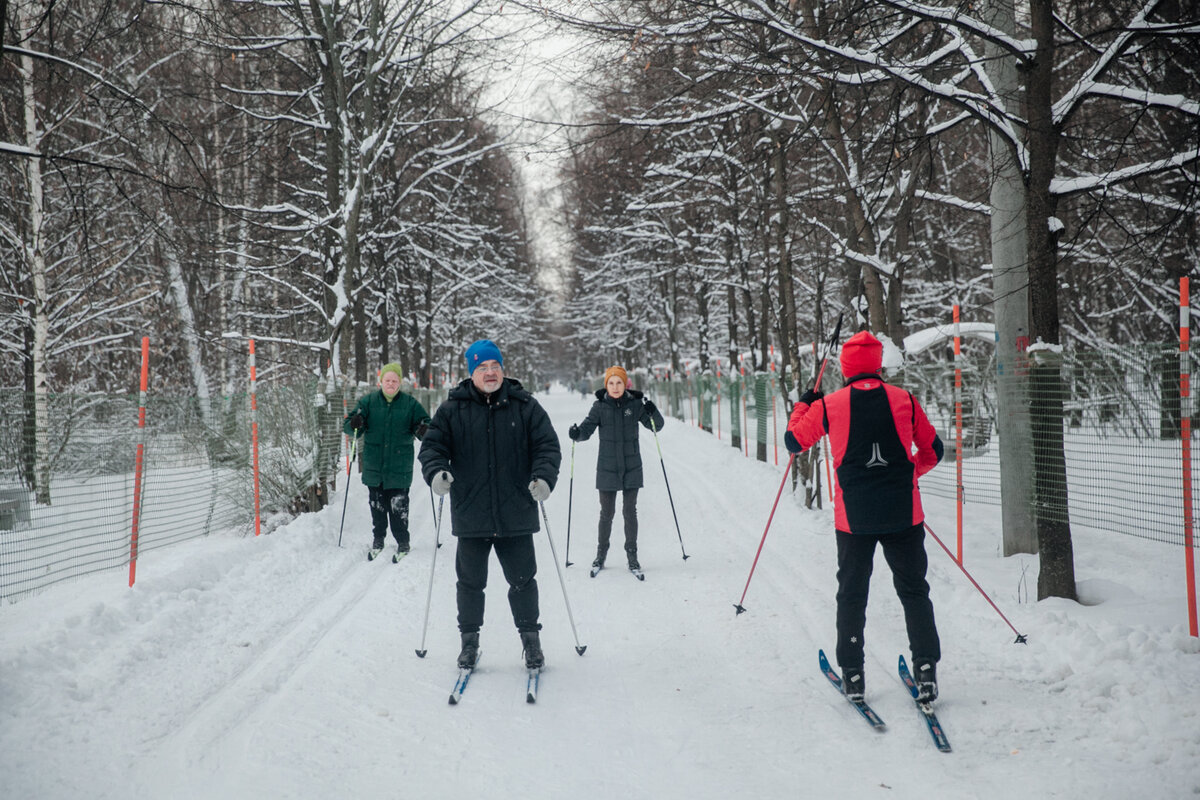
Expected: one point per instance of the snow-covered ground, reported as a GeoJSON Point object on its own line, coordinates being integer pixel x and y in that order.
{"type": "Point", "coordinates": [284, 667]}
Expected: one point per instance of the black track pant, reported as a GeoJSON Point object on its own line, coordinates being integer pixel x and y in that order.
{"type": "Point", "coordinates": [905, 554]}
{"type": "Point", "coordinates": [519, 563]}
{"type": "Point", "coordinates": [389, 505]}
{"type": "Point", "coordinates": [608, 510]}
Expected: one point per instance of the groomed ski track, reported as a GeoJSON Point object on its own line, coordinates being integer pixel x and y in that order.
{"type": "Point", "coordinates": [284, 666]}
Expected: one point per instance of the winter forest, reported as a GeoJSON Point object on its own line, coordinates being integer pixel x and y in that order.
{"type": "Point", "coordinates": [352, 183]}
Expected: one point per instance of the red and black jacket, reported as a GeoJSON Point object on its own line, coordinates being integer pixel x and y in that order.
{"type": "Point", "coordinates": [881, 443]}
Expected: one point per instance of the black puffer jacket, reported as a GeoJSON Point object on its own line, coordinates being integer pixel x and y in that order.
{"type": "Point", "coordinates": [619, 462]}
{"type": "Point", "coordinates": [493, 446]}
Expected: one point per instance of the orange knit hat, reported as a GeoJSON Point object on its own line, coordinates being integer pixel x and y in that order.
{"type": "Point", "coordinates": [619, 372]}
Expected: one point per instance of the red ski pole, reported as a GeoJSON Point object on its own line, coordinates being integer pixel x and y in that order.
{"type": "Point", "coordinates": [788, 471]}
{"type": "Point", "coordinates": [1021, 638]}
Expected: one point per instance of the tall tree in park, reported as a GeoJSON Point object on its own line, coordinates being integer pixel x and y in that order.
{"type": "Point", "coordinates": [73, 241]}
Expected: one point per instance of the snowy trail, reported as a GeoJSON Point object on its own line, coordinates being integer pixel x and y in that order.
{"type": "Point", "coordinates": [285, 666]}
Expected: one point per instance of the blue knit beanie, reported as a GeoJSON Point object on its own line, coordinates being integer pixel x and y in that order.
{"type": "Point", "coordinates": [480, 351]}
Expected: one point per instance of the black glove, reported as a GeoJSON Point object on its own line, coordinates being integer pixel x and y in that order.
{"type": "Point", "coordinates": [357, 422]}
{"type": "Point", "coordinates": [810, 397]}
{"type": "Point", "coordinates": [573, 433]}
{"type": "Point", "coordinates": [653, 409]}
{"type": "Point", "coordinates": [790, 443]}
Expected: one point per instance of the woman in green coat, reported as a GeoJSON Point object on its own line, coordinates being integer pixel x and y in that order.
{"type": "Point", "coordinates": [386, 421]}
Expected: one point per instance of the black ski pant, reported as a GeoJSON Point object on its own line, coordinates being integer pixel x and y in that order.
{"type": "Point", "coordinates": [905, 554]}
{"type": "Point", "coordinates": [608, 510]}
{"type": "Point", "coordinates": [519, 563]}
{"type": "Point", "coordinates": [389, 505]}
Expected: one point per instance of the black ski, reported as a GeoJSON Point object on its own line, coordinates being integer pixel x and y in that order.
{"type": "Point", "coordinates": [531, 684]}
{"type": "Point", "coordinates": [596, 570]}
{"type": "Point", "coordinates": [373, 553]}
{"type": "Point", "coordinates": [637, 573]}
{"type": "Point", "coordinates": [860, 706]}
{"type": "Point", "coordinates": [926, 709]}
{"type": "Point", "coordinates": [400, 554]}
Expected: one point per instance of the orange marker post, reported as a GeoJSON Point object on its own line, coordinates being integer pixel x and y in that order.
{"type": "Point", "coordinates": [958, 434]}
{"type": "Point", "coordinates": [1185, 436]}
{"type": "Point", "coordinates": [254, 439]}
{"type": "Point", "coordinates": [139, 460]}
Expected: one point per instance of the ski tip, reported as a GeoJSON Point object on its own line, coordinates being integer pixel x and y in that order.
{"type": "Point", "coordinates": [420, 653]}
{"type": "Point", "coordinates": [581, 650]}
{"type": "Point", "coordinates": [740, 608]}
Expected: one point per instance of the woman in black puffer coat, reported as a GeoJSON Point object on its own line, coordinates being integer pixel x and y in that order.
{"type": "Point", "coordinates": [617, 412]}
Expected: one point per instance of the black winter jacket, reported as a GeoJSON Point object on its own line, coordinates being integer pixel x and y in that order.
{"type": "Point", "coordinates": [619, 462]}
{"type": "Point", "coordinates": [493, 446]}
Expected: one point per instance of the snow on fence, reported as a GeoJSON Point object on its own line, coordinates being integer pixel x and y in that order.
{"type": "Point", "coordinates": [194, 479]}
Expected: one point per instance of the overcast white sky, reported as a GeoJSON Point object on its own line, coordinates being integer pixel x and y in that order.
{"type": "Point", "coordinates": [532, 91]}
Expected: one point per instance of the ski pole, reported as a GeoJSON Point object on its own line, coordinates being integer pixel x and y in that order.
{"type": "Point", "coordinates": [554, 557]}
{"type": "Point", "coordinates": [353, 452]}
{"type": "Point", "coordinates": [437, 543]}
{"type": "Point", "coordinates": [570, 494]}
{"type": "Point", "coordinates": [837, 330]}
{"type": "Point", "coordinates": [654, 428]}
{"type": "Point", "coordinates": [786, 472]}
{"type": "Point", "coordinates": [433, 508]}
{"type": "Point", "coordinates": [788, 469]}
{"type": "Point", "coordinates": [1021, 638]}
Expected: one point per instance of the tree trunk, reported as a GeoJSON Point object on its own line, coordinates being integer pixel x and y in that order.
{"type": "Point", "coordinates": [189, 336]}
{"type": "Point", "coordinates": [1057, 575]}
{"type": "Point", "coordinates": [39, 351]}
{"type": "Point", "coordinates": [1010, 293]}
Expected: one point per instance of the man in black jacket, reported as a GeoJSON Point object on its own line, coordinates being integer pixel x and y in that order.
{"type": "Point", "coordinates": [492, 448]}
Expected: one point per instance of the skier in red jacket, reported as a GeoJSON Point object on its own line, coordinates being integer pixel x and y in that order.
{"type": "Point", "coordinates": [874, 429]}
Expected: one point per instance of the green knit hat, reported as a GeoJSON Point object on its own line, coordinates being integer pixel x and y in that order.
{"type": "Point", "coordinates": [392, 367]}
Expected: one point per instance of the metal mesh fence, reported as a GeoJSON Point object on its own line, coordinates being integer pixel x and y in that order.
{"type": "Point", "coordinates": [1119, 411]}
{"type": "Point", "coordinates": [197, 474]}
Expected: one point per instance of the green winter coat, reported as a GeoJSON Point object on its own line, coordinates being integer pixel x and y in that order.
{"type": "Point", "coordinates": [385, 444]}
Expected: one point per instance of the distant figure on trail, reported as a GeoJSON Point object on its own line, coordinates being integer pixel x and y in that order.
{"type": "Point", "coordinates": [873, 430]}
{"type": "Point", "coordinates": [492, 448]}
{"type": "Point", "coordinates": [385, 422]}
{"type": "Point", "coordinates": [617, 412]}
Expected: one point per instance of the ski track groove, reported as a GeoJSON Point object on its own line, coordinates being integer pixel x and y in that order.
{"type": "Point", "coordinates": [240, 697]}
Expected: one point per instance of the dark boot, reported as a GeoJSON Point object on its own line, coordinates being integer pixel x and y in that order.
{"type": "Point", "coordinates": [633, 562]}
{"type": "Point", "coordinates": [601, 554]}
{"type": "Point", "coordinates": [853, 683]}
{"type": "Point", "coordinates": [470, 651]}
{"type": "Point", "coordinates": [532, 647]}
{"type": "Point", "coordinates": [925, 674]}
